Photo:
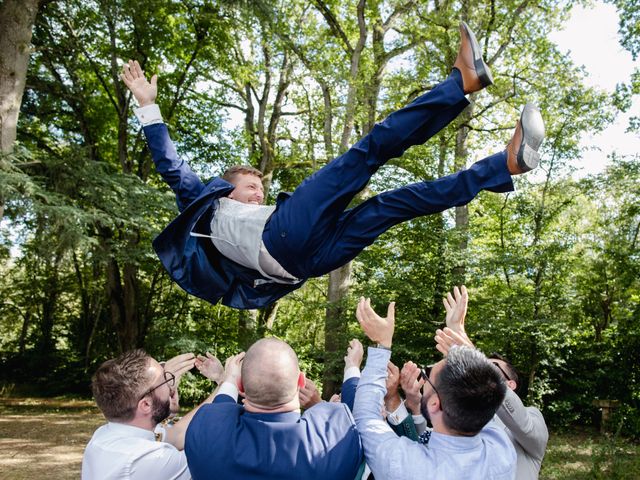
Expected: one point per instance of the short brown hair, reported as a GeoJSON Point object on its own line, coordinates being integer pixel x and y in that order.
{"type": "Point", "coordinates": [118, 384]}
{"type": "Point", "coordinates": [230, 174]}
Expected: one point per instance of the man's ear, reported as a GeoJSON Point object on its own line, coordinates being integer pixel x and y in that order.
{"type": "Point", "coordinates": [512, 385]}
{"type": "Point", "coordinates": [301, 380]}
{"type": "Point", "coordinates": [240, 386]}
{"type": "Point", "coordinates": [145, 405]}
{"type": "Point", "coordinates": [433, 404]}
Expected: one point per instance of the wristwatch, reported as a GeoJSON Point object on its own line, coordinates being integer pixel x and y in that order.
{"type": "Point", "coordinates": [379, 345]}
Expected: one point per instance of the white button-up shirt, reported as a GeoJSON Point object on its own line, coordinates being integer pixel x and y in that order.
{"type": "Point", "coordinates": [119, 451]}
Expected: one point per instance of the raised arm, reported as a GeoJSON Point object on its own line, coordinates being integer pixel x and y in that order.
{"type": "Point", "coordinates": [352, 362]}
{"type": "Point", "coordinates": [177, 173]}
{"type": "Point", "coordinates": [381, 444]}
{"type": "Point", "coordinates": [177, 433]}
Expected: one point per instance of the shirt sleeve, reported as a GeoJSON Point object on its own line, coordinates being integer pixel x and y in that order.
{"type": "Point", "coordinates": [227, 389]}
{"type": "Point", "coordinates": [149, 115]}
{"type": "Point", "coordinates": [378, 439]}
{"type": "Point", "coordinates": [398, 415]}
{"type": "Point", "coordinates": [526, 424]}
{"type": "Point", "coordinates": [164, 462]}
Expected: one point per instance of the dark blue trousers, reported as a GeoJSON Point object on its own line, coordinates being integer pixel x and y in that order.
{"type": "Point", "coordinates": [312, 233]}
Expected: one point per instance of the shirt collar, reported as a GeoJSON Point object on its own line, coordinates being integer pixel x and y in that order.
{"type": "Point", "coordinates": [454, 442]}
{"type": "Point", "coordinates": [130, 430]}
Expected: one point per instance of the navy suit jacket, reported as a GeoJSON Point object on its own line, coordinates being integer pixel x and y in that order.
{"type": "Point", "coordinates": [224, 441]}
{"type": "Point", "coordinates": [193, 262]}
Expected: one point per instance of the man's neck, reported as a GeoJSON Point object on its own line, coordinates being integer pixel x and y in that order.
{"type": "Point", "coordinates": [141, 422]}
{"type": "Point", "coordinates": [292, 406]}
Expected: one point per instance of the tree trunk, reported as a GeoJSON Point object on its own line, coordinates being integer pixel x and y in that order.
{"type": "Point", "coordinates": [247, 328]}
{"type": "Point", "coordinates": [16, 23]}
{"type": "Point", "coordinates": [462, 213]}
{"type": "Point", "coordinates": [335, 329]}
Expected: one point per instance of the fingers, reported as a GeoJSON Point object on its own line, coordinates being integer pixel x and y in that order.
{"type": "Point", "coordinates": [137, 69]}
{"type": "Point", "coordinates": [456, 293]}
{"type": "Point", "coordinates": [154, 80]}
{"type": "Point", "coordinates": [180, 362]}
{"type": "Point", "coordinates": [391, 312]}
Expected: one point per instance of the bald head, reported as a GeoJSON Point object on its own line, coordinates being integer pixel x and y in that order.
{"type": "Point", "coordinates": [270, 373]}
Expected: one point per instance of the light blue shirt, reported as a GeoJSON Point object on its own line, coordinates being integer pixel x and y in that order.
{"type": "Point", "coordinates": [489, 455]}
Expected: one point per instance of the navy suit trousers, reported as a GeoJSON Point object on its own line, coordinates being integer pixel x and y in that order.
{"type": "Point", "coordinates": [311, 233]}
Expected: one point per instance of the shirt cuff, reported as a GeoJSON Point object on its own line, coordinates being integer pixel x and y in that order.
{"type": "Point", "coordinates": [149, 114]}
{"type": "Point", "coordinates": [418, 419]}
{"type": "Point", "coordinates": [228, 388]}
{"type": "Point", "coordinates": [351, 372]}
{"type": "Point", "coordinates": [398, 415]}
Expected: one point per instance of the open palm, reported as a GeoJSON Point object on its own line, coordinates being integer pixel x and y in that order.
{"type": "Point", "coordinates": [133, 77]}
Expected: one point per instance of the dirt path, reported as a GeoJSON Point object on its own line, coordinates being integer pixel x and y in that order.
{"type": "Point", "coordinates": [44, 438]}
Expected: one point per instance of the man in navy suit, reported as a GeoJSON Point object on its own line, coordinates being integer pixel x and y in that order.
{"type": "Point", "coordinates": [225, 245]}
{"type": "Point", "coordinates": [267, 437]}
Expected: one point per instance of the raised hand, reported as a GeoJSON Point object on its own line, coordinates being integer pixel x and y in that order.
{"type": "Point", "coordinates": [355, 352]}
{"type": "Point", "coordinates": [210, 367]}
{"type": "Point", "coordinates": [378, 329]}
{"type": "Point", "coordinates": [309, 394]}
{"type": "Point", "coordinates": [145, 92]}
{"type": "Point", "coordinates": [411, 383]}
{"type": "Point", "coordinates": [447, 338]}
{"type": "Point", "coordinates": [179, 365]}
{"type": "Point", "coordinates": [392, 398]}
{"type": "Point", "coordinates": [232, 368]}
{"type": "Point", "coordinates": [456, 307]}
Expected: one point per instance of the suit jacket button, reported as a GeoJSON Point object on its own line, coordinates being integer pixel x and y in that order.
{"type": "Point", "coordinates": [283, 234]}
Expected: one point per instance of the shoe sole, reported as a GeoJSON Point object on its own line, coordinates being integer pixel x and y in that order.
{"type": "Point", "coordinates": [482, 69]}
{"type": "Point", "coordinates": [532, 135]}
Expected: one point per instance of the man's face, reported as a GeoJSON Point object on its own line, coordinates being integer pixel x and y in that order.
{"type": "Point", "coordinates": [504, 370]}
{"type": "Point", "coordinates": [248, 189]}
{"type": "Point", "coordinates": [162, 395]}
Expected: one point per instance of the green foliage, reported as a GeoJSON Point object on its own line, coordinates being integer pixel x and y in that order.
{"type": "Point", "coordinates": [552, 269]}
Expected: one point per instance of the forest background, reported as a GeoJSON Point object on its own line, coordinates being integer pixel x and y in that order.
{"type": "Point", "coordinates": [552, 269]}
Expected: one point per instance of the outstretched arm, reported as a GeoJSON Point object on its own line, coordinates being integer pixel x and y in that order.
{"type": "Point", "coordinates": [177, 433]}
{"type": "Point", "coordinates": [381, 445]}
{"type": "Point", "coordinates": [352, 361]}
{"type": "Point", "coordinates": [177, 173]}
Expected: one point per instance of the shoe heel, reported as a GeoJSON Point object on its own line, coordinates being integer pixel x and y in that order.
{"type": "Point", "coordinates": [528, 158]}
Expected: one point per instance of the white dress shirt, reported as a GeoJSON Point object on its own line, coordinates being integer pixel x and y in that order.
{"type": "Point", "coordinates": [123, 452]}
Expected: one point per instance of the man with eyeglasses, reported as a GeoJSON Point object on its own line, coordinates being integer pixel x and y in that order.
{"type": "Point", "coordinates": [524, 425]}
{"type": "Point", "coordinates": [461, 395]}
{"type": "Point", "coordinates": [135, 393]}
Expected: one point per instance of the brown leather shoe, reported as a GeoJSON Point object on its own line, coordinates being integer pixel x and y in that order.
{"type": "Point", "coordinates": [522, 149]}
{"type": "Point", "coordinates": [475, 73]}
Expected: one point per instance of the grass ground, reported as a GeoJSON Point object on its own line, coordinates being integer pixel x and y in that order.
{"type": "Point", "coordinates": [45, 438]}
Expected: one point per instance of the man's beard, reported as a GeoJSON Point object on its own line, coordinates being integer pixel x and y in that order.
{"type": "Point", "coordinates": [160, 409]}
{"type": "Point", "coordinates": [423, 407]}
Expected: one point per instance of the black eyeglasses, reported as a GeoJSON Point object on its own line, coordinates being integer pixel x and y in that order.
{"type": "Point", "coordinates": [169, 378]}
{"type": "Point", "coordinates": [424, 374]}
{"type": "Point", "coordinates": [501, 370]}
